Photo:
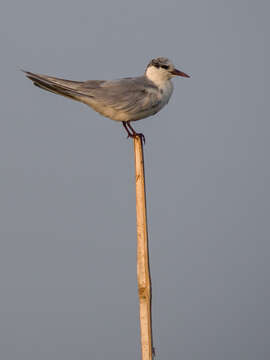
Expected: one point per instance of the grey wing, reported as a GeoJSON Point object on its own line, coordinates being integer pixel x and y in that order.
{"type": "Point", "coordinates": [59, 86]}
{"type": "Point", "coordinates": [136, 97]}
{"type": "Point", "coordinates": [130, 95]}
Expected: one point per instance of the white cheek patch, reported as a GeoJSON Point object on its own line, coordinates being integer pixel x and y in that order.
{"type": "Point", "coordinates": [157, 75]}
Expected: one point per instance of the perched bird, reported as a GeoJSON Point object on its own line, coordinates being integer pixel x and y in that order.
{"type": "Point", "coordinates": [128, 99]}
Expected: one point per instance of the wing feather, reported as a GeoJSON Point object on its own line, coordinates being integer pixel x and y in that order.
{"type": "Point", "coordinates": [125, 95]}
{"type": "Point", "coordinates": [135, 97]}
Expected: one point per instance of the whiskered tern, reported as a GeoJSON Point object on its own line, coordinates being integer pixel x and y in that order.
{"type": "Point", "coordinates": [128, 99]}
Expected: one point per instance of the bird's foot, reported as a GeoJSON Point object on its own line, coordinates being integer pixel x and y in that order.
{"type": "Point", "coordinates": [140, 135]}
{"type": "Point", "coordinates": [131, 132]}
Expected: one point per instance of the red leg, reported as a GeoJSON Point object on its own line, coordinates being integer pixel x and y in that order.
{"type": "Point", "coordinates": [127, 129]}
{"type": "Point", "coordinates": [134, 133]}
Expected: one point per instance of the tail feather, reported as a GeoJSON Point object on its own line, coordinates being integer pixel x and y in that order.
{"type": "Point", "coordinates": [54, 90]}
{"type": "Point", "coordinates": [57, 86]}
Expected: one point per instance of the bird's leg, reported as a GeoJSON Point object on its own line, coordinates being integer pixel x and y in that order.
{"type": "Point", "coordinates": [127, 129]}
{"type": "Point", "coordinates": [134, 133]}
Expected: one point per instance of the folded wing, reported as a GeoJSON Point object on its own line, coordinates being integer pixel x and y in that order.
{"type": "Point", "coordinates": [135, 96]}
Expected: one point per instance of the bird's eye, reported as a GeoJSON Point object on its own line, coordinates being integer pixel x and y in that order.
{"type": "Point", "coordinates": [165, 67]}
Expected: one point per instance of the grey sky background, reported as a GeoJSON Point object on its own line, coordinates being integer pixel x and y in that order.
{"type": "Point", "coordinates": [67, 211]}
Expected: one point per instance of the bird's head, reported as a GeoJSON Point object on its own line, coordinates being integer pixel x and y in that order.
{"type": "Point", "coordinates": [162, 69]}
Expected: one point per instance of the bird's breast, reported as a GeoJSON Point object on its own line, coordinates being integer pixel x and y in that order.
{"type": "Point", "coordinates": [165, 91]}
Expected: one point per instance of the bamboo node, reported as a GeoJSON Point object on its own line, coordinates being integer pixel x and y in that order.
{"type": "Point", "coordinates": [144, 293]}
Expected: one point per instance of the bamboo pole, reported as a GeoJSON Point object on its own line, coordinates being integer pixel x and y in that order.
{"type": "Point", "coordinates": [143, 270]}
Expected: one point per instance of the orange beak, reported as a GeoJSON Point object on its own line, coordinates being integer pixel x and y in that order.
{"type": "Point", "coordinates": [179, 73]}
